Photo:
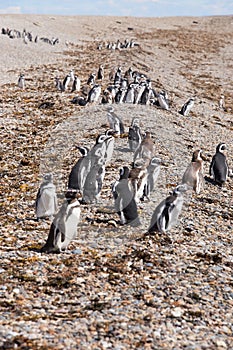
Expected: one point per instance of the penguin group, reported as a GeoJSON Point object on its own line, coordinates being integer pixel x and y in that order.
{"type": "Point", "coordinates": [118, 45]}
{"type": "Point", "coordinates": [135, 184]}
{"type": "Point", "coordinates": [27, 36]}
{"type": "Point", "coordinates": [129, 86]}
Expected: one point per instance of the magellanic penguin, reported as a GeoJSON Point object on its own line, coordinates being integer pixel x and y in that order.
{"type": "Point", "coordinates": [58, 84]}
{"type": "Point", "coordinates": [218, 167]}
{"type": "Point", "coordinates": [66, 82]}
{"type": "Point", "coordinates": [21, 81]}
{"type": "Point", "coordinates": [193, 175]}
{"type": "Point", "coordinates": [125, 204]}
{"type": "Point", "coordinates": [75, 180]}
{"type": "Point", "coordinates": [93, 184]}
{"type": "Point", "coordinates": [163, 100]}
{"type": "Point", "coordinates": [76, 84]}
{"type": "Point", "coordinates": [94, 94]}
{"type": "Point", "coordinates": [109, 142]}
{"type": "Point", "coordinates": [153, 170]}
{"type": "Point", "coordinates": [186, 108]}
{"type": "Point", "coordinates": [115, 122]}
{"type": "Point", "coordinates": [134, 135]}
{"type": "Point", "coordinates": [167, 212]}
{"type": "Point", "coordinates": [46, 200]}
{"type": "Point", "coordinates": [145, 150]}
{"type": "Point", "coordinates": [100, 74]}
{"type": "Point", "coordinates": [64, 226]}
{"type": "Point", "coordinates": [91, 79]}
{"type": "Point", "coordinates": [137, 181]}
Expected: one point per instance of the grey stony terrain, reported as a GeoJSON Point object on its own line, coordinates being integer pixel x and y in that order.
{"type": "Point", "coordinates": [116, 287]}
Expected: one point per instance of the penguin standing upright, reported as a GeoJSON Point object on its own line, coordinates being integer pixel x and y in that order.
{"type": "Point", "coordinates": [66, 82]}
{"type": "Point", "coordinates": [137, 181]}
{"type": "Point", "coordinates": [193, 175]}
{"type": "Point", "coordinates": [94, 94]}
{"type": "Point", "coordinates": [218, 167]}
{"type": "Point", "coordinates": [186, 108]}
{"type": "Point", "coordinates": [64, 226]}
{"type": "Point", "coordinates": [76, 84]}
{"type": "Point", "coordinates": [21, 81]}
{"type": "Point", "coordinates": [91, 79]}
{"type": "Point", "coordinates": [46, 199]}
{"type": "Point", "coordinates": [153, 170]}
{"type": "Point", "coordinates": [75, 176]}
{"type": "Point", "coordinates": [58, 84]}
{"type": "Point", "coordinates": [115, 122]}
{"type": "Point", "coordinates": [109, 142]}
{"type": "Point", "coordinates": [145, 150]}
{"type": "Point", "coordinates": [125, 204]}
{"type": "Point", "coordinates": [163, 100]}
{"type": "Point", "coordinates": [100, 74]}
{"type": "Point", "coordinates": [93, 184]}
{"type": "Point", "coordinates": [167, 212]}
{"type": "Point", "coordinates": [134, 135]}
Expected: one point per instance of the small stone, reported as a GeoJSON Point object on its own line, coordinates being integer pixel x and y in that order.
{"type": "Point", "coordinates": [177, 312]}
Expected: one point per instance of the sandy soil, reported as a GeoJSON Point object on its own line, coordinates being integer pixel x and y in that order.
{"type": "Point", "coordinates": [115, 288]}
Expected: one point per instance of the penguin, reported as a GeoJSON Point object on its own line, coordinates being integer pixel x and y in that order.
{"type": "Point", "coordinates": [46, 199]}
{"type": "Point", "coordinates": [129, 97]}
{"type": "Point", "coordinates": [98, 152]}
{"type": "Point", "coordinates": [79, 100]}
{"type": "Point", "coordinates": [137, 181]}
{"type": "Point", "coordinates": [109, 142]}
{"type": "Point", "coordinates": [193, 175]}
{"type": "Point", "coordinates": [21, 81]}
{"type": "Point", "coordinates": [76, 84]}
{"type": "Point", "coordinates": [100, 74]}
{"type": "Point", "coordinates": [94, 94]}
{"type": "Point", "coordinates": [91, 79]}
{"type": "Point", "coordinates": [221, 103]}
{"type": "Point", "coordinates": [134, 135]}
{"type": "Point", "coordinates": [72, 76]}
{"type": "Point", "coordinates": [58, 84]}
{"type": "Point", "coordinates": [167, 212]}
{"type": "Point", "coordinates": [163, 100]}
{"type": "Point", "coordinates": [75, 179]}
{"type": "Point", "coordinates": [147, 94]}
{"type": "Point", "coordinates": [186, 108]}
{"type": "Point", "coordinates": [118, 76]}
{"type": "Point", "coordinates": [153, 170]}
{"type": "Point", "coordinates": [64, 226]}
{"type": "Point", "coordinates": [139, 90]}
{"type": "Point", "coordinates": [125, 204]}
{"type": "Point", "coordinates": [93, 183]}
{"type": "Point", "coordinates": [145, 150]}
{"type": "Point", "coordinates": [115, 122]}
{"type": "Point", "coordinates": [218, 166]}
{"type": "Point", "coordinates": [66, 82]}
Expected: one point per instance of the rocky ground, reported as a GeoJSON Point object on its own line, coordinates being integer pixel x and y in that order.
{"type": "Point", "coordinates": [116, 287]}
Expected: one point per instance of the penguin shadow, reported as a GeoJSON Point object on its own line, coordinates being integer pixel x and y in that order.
{"type": "Point", "coordinates": [212, 182]}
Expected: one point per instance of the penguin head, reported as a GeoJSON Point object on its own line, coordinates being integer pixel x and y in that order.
{"type": "Point", "coordinates": [197, 156]}
{"type": "Point", "coordinates": [100, 139]}
{"type": "Point", "coordinates": [221, 147]}
{"type": "Point", "coordinates": [71, 194]}
{"type": "Point", "coordinates": [180, 189]}
{"type": "Point", "coordinates": [124, 172]}
{"type": "Point", "coordinates": [83, 150]}
{"type": "Point", "coordinates": [135, 121]}
{"type": "Point", "coordinates": [155, 161]}
{"type": "Point", "coordinates": [110, 132]}
{"type": "Point", "coordinates": [48, 177]}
